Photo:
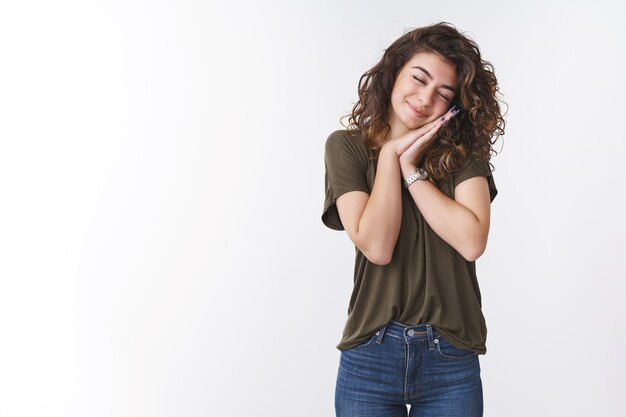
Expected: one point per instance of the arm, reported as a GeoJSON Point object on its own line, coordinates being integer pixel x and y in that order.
{"type": "Point", "coordinates": [463, 222]}
{"type": "Point", "coordinates": [373, 222]}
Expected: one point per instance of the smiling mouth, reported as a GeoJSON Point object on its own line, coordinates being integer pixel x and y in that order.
{"type": "Point", "coordinates": [415, 111]}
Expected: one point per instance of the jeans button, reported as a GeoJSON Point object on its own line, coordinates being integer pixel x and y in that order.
{"type": "Point", "coordinates": [411, 332]}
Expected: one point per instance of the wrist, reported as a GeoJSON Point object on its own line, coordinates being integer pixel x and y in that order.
{"type": "Point", "coordinates": [407, 169]}
{"type": "Point", "coordinates": [388, 150]}
{"type": "Point", "coordinates": [388, 154]}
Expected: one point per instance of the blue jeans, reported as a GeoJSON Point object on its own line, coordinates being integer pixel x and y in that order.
{"type": "Point", "coordinates": [408, 364]}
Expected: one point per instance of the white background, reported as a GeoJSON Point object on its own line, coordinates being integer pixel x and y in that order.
{"type": "Point", "coordinates": [161, 181]}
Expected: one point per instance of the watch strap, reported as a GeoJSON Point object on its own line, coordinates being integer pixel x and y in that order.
{"type": "Point", "coordinates": [418, 174]}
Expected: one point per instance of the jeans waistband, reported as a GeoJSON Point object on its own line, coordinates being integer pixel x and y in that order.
{"type": "Point", "coordinates": [408, 332]}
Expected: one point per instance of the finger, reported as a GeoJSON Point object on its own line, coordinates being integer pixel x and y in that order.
{"type": "Point", "coordinates": [443, 119]}
{"type": "Point", "coordinates": [434, 124]}
{"type": "Point", "coordinates": [428, 127]}
{"type": "Point", "coordinates": [427, 137]}
{"type": "Point", "coordinates": [449, 117]}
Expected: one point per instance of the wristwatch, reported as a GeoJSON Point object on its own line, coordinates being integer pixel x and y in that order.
{"type": "Point", "coordinates": [419, 174]}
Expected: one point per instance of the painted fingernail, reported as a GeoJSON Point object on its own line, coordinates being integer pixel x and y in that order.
{"type": "Point", "coordinates": [453, 114]}
{"type": "Point", "coordinates": [452, 108]}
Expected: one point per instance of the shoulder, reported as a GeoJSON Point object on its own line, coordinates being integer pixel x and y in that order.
{"type": "Point", "coordinates": [342, 138]}
{"type": "Point", "coordinates": [472, 166]}
{"type": "Point", "coordinates": [343, 143]}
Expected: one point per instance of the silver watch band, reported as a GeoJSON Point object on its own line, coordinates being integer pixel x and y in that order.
{"type": "Point", "coordinates": [418, 174]}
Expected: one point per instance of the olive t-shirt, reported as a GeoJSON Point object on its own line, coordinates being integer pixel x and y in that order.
{"type": "Point", "coordinates": [427, 280]}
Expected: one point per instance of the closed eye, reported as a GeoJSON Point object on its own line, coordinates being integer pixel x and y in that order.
{"type": "Point", "coordinates": [442, 96]}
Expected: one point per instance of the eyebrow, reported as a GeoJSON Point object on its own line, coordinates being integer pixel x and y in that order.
{"type": "Point", "coordinates": [447, 87]}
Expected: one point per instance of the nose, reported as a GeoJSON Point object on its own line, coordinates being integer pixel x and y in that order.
{"type": "Point", "coordinates": [426, 98]}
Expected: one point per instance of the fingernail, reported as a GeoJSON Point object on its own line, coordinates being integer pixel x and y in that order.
{"type": "Point", "coordinates": [448, 119]}
{"type": "Point", "coordinates": [452, 108]}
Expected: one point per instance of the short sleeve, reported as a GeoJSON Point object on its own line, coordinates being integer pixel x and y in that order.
{"type": "Point", "coordinates": [473, 167]}
{"type": "Point", "coordinates": [346, 164]}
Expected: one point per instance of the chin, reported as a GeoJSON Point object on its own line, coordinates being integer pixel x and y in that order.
{"type": "Point", "coordinates": [412, 123]}
{"type": "Point", "coordinates": [416, 125]}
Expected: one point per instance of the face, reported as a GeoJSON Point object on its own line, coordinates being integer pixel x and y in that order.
{"type": "Point", "coordinates": [424, 90]}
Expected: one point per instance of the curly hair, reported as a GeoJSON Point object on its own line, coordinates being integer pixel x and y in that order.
{"type": "Point", "coordinates": [476, 128]}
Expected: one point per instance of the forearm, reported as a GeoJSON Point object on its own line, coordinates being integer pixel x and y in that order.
{"type": "Point", "coordinates": [379, 225]}
{"type": "Point", "coordinates": [452, 221]}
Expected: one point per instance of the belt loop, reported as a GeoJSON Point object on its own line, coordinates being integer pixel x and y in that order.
{"type": "Point", "coordinates": [431, 343]}
{"type": "Point", "coordinates": [380, 333]}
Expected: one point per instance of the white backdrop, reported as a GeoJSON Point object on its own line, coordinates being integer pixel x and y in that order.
{"type": "Point", "coordinates": [162, 182]}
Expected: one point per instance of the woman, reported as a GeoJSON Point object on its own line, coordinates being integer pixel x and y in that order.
{"type": "Point", "coordinates": [410, 182]}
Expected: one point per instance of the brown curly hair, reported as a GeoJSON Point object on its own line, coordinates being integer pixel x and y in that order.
{"type": "Point", "coordinates": [475, 129]}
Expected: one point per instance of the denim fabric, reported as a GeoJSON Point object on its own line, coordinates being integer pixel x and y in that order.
{"type": "Point", "coordinates": [408, 364]}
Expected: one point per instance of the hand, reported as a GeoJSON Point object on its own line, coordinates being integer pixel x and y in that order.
{"type": "Point", "coordinates": [400, 144]}
{"type": "Point", "coordinates": [423, 138]}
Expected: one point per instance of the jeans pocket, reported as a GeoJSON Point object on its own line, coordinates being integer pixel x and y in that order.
{"type": "Point", "coordinates": [448, 351]}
